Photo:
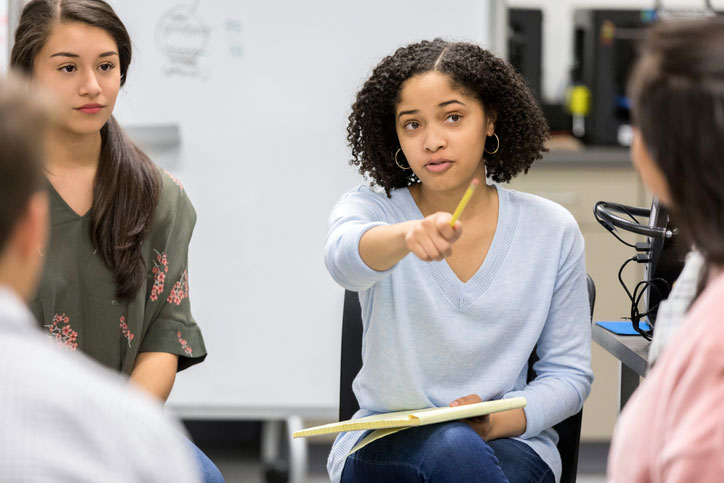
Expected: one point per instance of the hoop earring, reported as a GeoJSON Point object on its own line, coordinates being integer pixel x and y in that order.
{"type": "Point", "coordinates": [398, 163]}
{"type": "Point", "coordinates": [496, 147]}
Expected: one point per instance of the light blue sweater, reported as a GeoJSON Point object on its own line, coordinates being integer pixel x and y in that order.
{"type": "Point", "coordinates": [430, 338]}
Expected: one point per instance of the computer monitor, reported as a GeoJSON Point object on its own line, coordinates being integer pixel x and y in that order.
{"type": "Point", "coordinates": [666, 260]}
{"type": "Point", "coordinates": [662, 253]}
{"type": "Point", "coordinates": [605, 43]}
{"type": "Point", "coordinates": [525, 41]}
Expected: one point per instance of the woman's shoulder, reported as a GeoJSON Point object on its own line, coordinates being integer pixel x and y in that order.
{"type": "Point", "coordinates": [372, 198]}
{"type": "Point", "coordinates": [174, 204]}
{"type": "Point", "coordinates": [362, 191]}
{"type": "Point", "coordinates": [541, 211]}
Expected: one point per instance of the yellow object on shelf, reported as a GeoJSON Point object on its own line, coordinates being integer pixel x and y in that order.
{"type": "Point", "coordinates": [579, 100]}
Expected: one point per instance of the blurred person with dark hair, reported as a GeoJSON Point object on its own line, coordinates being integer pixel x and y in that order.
{"type": "Point", "coordinates": [672, 429]}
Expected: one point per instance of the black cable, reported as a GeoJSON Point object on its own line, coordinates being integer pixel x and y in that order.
{"type": "Point", "coordinates": [623, 208]}
{"type": "Point", "coordinates": [620, 279]}
{"type": "Point", "coordinates": [612, 229]}
{"type": "Point", "coordinates": [636, 316]}
{"type": "Point", "coordinates": [635, 299]}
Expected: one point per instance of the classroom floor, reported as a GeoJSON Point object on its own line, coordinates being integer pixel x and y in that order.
{"type": "Point", "coordinates": [240, 463]}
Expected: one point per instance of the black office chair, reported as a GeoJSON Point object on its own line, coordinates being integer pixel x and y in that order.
{"type": "Point", "coordinates": [569, 430]}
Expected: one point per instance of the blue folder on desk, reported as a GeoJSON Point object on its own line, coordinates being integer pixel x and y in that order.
{"type": "Point", "coordinates": [623, 327]}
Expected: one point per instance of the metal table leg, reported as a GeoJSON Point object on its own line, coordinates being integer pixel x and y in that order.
{"type": "Point", "coordinates": [629, 383]}
{"type": "Point", "coordinates": [297, 451]}
{"type": "Point", "coordinates": [273, 436]}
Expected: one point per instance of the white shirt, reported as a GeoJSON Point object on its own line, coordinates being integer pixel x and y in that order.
{"type": "Point", "coordinates": [65, 419]}
{"type": "Point", "coordinates": [672, 311]}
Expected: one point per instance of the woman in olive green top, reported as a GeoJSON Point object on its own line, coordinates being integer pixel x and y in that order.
{"type": "Point", "coordinates": [115, 284]}
{"type": "Point", "coordinates": [76, 301]}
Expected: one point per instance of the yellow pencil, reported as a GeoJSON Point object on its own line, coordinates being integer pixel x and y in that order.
{"type": "Point", "coordinates": [464, 201]}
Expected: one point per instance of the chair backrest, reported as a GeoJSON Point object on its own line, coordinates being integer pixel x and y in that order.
{"type": "Point", "coordinates": [351, 354]}
{"type": "Point", "coordinates": [569, 431]}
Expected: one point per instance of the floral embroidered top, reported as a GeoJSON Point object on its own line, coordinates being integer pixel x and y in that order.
{"type": "Point", "coordinates": [76, 303]}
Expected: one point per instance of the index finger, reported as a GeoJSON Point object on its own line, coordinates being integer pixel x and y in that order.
{"type": "Point", "coordinates": [446, 230]}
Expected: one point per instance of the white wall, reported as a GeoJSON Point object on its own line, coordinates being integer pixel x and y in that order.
{"type": "Point", "coordinates": [558, 32]}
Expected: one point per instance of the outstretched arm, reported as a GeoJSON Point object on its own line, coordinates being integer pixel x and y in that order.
{"type": "Point", "coordinates": [429, 239]}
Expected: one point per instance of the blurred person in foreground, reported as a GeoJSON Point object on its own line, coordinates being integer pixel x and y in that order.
{"type": "Point", "coordinates": [672, 429]}
{"type": "Point", "coordinates": [63, 417]}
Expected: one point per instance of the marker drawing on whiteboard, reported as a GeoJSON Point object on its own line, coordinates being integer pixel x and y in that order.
{"type": "Point", "coordinates": [234, 29]}
{"type": "Point", "coordinates": [182, 36]}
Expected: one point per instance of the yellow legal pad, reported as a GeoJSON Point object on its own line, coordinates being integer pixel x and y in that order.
{"type": "Point", "coordinates": [415, 417]}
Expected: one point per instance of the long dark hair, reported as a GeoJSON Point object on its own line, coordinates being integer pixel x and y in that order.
{"type": "Point", "coordinates": [127, 184]}
{"type": "Point", "coordinates": [519, 122]}
{"type": "Point", "coordinates": [677, 90]}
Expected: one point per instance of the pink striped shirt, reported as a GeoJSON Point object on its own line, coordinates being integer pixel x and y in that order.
{"type": "Point", "coordinates": [672, 429]}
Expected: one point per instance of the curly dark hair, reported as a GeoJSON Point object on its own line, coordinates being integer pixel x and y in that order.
{"type": "Point", "coordinates": [520, 124]}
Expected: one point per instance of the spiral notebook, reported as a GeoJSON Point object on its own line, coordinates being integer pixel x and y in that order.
{"type": "Point", "coordinates": [388, 423]}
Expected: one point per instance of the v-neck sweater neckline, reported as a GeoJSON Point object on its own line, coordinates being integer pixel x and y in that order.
{"type": "Point", "coordinates": [463, 294]}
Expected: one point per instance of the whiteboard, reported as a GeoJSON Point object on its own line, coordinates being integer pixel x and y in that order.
{"type": "Point", "coordinates": [260, 92]}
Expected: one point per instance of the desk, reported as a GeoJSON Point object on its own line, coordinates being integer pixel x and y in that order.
{"type": "Point", "coordinates": [631, 350]}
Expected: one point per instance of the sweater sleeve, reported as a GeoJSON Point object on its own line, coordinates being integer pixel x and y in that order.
{"type": "Point", "coordinates": [563, 371]}
{"type": "Point", "coordinates": [356, 212]}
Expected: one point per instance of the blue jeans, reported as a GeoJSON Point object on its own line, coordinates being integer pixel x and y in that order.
{"type": "Point", "coordinates": [445, 452]}
{"type": "Point", "coordinates": [209, 472]}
